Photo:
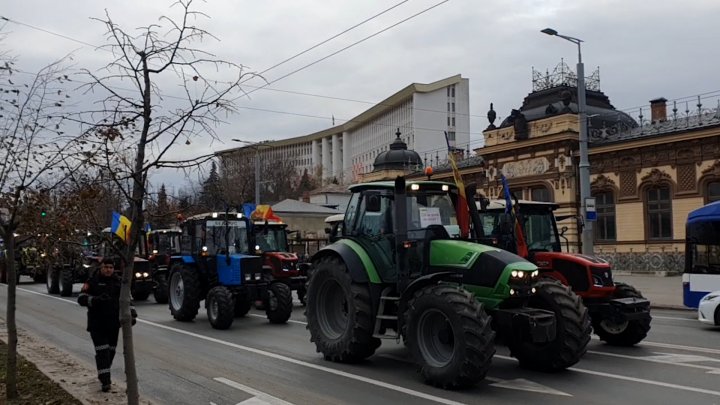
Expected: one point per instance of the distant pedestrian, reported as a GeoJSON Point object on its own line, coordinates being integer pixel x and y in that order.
{"type": "Point", "coordinates": [101, 294]}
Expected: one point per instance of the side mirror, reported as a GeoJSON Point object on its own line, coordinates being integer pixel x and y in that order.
{"type": "Point", "coordinates": [563, 230]}
{"type": "Point", "coordinates": [328, 230]}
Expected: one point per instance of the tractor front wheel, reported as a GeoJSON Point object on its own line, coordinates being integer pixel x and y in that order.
{"type": "Point", "coordinates": [572, 335]}
{"type": "Point", "coordinates": [278, 307]}
{"type": "Point", "coordinates": [184, 293]}
{"type": "Point", "coordinates": [52, 280]}
{"type": "Point", "coordinates": [450, 336]}
{"type": "Point", "coordinates": [626, 333]}
{"type": "Point", "coordinates": [339, 314]}
{"type": "Point", "coordinates": [66, 281]}
{"type": "Point", "coordinates": [220, 307]}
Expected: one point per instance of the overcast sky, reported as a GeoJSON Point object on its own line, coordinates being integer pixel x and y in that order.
{"type": "Point", "coordinates": [645, 49]}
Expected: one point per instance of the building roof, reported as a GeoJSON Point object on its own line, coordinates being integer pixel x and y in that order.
{"type": "Point", "coordinates": [290, 206]}
{"type": "Point", "coordinates": [331, 189]}
{"type": "Point", "coordinates": [397, 157]}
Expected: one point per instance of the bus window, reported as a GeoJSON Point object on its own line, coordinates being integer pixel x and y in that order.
{"type": "Point", "coordinates": [702, 254]}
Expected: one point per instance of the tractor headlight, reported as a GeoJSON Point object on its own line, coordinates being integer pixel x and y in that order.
{"type": "Point", "coordinates": [535, 273]}
{"type": "Point", "coordinates": [214, 214]}
{"type": "Point", "coordinates": [415, 187]}
{"type": "Point", "coordinates": [514, 273]}
{"type": "Point", "coordinates": [445, 187]}
{"type": "Point", "coordinates": [239, 215]}
{"type": "Point", "coordinates": [533, 290]}
{"type": "Point", "coordinates": [204, 249]}
{"type": "Point", "coordinates": [258, 276]}
{"type": "Point", "coordinates": [138, 275]}
{"type": "Point", "coordinates": [512, 292]}
{"type": "Point", "coordinates": [146, 274]}
{"type": "Point", "coordinates": [155, 251]}
{"type": "Point", "coordinates": [248, 277]}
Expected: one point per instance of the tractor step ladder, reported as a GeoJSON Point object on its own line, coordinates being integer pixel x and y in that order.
{"type": "Point", "coordinates": [382, 316]}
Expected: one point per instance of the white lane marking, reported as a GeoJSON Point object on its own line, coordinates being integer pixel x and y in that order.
{"type": "Point", "coordinates": [259, 396]}
{"type": "Point", "coordinates": [289, 320]}
{"type": "Point", "coordinates": [668, 358]}
{"type": "Point", "coordinates": [634, 379]}
{"type": "Point", "coordinates": [254, 401]}
{"type": "Point", "coordinates": [522, 384]}
{"type": "Point", "coordinates": [674, 318]}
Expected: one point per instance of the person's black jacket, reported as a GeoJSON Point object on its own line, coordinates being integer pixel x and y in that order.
{"type": "Point", "coordinates": [102, 297]}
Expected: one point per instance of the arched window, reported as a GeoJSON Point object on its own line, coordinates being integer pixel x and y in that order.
{"type": "Point", "coordinates": [605, 225]}
{"type": "Point", "coordinates": [712, 193]}
{"type": "Point", "coordinates": [659, 212]}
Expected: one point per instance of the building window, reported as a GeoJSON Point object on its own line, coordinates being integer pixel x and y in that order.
{"type": "Point", "coordinates": [605, 208]}
{"type": "Point", "coordinates": [453, 107]}
{"type": "Point", "coordinates": [540, 194]}
{"type": "Point", "coordinates": [453, 92]}
{"type": "Point", "coordinates": [713, 191]}
{"type": "Point", "coordinates": [453, 121]}
{"type": "Point", "coordinates": [659, 212]}
{"type": "Point", "coordinates": [448, 121]}
{"type": "Point", "coordinates": [451, 135]}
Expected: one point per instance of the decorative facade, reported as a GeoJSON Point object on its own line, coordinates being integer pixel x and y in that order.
{"type": "Point", "coordinates": [646, 174]}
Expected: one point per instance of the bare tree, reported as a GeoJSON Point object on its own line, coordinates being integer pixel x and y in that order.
{"type": "Point", "coordinates": [32, 148]}
{"type": "Point", "coordinates": [137, 127]}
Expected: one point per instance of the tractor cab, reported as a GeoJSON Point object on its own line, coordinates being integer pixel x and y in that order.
{"type": "Point", "coordinates": [161, 244]}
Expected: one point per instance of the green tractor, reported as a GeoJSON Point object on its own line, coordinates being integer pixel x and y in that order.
{"type": "Point", "coordinates": [399, 270]}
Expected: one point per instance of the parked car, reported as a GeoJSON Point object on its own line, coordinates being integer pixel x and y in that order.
{"type": "Point", "coordinates": [709, 309]}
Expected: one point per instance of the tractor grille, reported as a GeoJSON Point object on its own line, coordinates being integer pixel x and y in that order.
{"type": "Point", "coordinates": [602, 276]}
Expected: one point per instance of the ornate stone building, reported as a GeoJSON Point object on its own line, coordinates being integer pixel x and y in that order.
{"type": "Point", "coordinates": [646, 174]}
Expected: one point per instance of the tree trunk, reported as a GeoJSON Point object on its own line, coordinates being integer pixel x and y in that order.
{"type": "Point", "coordinates": [126, 324]}
{"type": "Point", "coordinates": [11, 379]}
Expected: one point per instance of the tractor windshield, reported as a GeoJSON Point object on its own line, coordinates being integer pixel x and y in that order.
{"type": "Point", "coordinates": [271, 238]}
{"type": "Point", "coordinates": [223, 237]}
{"type": "Point", "coordinates": [166, 242]}
{"type": "Point", "coordinates": [432, 208]}
{"type": "Point", "coordinates": [539, 230]}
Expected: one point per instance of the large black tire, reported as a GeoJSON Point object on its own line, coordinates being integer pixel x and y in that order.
{"type": "Point", "coordinates": [52, 281]}
{"type": "Point", "coordinates": [572, 333]}
{"type": "Point", "coordinates": [450, 336]}
{"type": "Point", "coordinates": [242, 306]}
{"type": "Point", "coordinates": [220, 307]}
{"type": "Point", "coordinates": [161, 289]}
{"type": "Point", "coordinates": [184, 293]}
{"type": "Point", "coordinates": [66, 281]}
{"type": "Point", "coordinates": [279, 305]}
{"type": "Point", "coordinates": [339, 314]}
{"type": "Point", "coordinates": [626, 333]}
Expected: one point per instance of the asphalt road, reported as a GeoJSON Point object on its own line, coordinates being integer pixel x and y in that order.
{"type": "Point", "coordinates": [258, 363]}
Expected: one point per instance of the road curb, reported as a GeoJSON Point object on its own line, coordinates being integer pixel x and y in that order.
{"type": "Point", "coordinates": [673, 307]}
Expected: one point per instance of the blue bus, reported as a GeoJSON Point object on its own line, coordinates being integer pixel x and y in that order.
{"type": "Point", "coordinates": [702, 254]}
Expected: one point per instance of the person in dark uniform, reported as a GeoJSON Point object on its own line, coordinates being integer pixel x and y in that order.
{"type": "Point", "coordinates": [101, 294]}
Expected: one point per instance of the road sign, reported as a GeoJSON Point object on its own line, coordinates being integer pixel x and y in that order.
{"type": "Point", "coordinates": [590, 212]}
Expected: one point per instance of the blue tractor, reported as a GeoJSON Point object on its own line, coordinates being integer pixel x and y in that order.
{"type": "Point", "coordinates": [214, 265]}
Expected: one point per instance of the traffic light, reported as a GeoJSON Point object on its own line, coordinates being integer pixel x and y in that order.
{"type": "Point", "coordinates": [43, 213]}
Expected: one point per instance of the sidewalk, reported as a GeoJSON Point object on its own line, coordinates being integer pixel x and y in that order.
{"type": "Point", "coordinates": [663, 292]}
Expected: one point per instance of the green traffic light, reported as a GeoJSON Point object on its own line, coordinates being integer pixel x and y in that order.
{"type": "Point", "coordinates": [43, 214]}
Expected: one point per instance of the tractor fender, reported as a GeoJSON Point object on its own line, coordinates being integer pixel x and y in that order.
{"type": "Point", "coordinates": [427, 280]}
{"type": "Point", "coordinates": [352, 260]}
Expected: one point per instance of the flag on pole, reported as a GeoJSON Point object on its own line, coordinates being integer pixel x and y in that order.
{"type": "Point", "coordinates": [121, 226]}
{"type": "Point", "coordinates": [521, 245]}
{"type": "Point", "coordinates": [463, 215]}
{"type": "Point", "coordinates": [262, 212]}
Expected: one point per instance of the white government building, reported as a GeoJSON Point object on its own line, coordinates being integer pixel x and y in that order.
{"type": "Point", "coordinates": [421, 112]}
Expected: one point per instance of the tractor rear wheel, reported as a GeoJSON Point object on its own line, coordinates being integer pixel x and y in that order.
{"type": "Point", "coordinates": [626, 333]}
{"type": "Point", "coordinates": [220, 307]}
{"type": "Point", "coordinates": [52, 280]}
{"type": "Point", "coordinates": [572, 329]}
{"type": "Point", "coordinates": [339, 313]}
{"type": "Point", "coordinates": [450, 336]}
{"type": "Point", "coordinates": [66, 281]}
{"type": "Point", "coordinates": [161, 289]}
{"type": "Point", "coordinates": [184, 293]}
{"type": "Point", "coordinates": [278, 307]}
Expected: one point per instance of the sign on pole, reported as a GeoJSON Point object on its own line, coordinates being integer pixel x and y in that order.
{"type": "Point", "coordinates": [590, 212]}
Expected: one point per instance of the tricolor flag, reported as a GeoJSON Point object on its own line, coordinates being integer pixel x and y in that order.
{"type": "Point", "coordinates": [521, 245]}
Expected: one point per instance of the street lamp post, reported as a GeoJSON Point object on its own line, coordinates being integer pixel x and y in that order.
{"type": "Point", "coordinates": [254, 145]}
{"type": "Point", "coordinates": [584, 167]}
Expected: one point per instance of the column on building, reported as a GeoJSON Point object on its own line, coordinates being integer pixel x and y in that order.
{"type": "Point", "coordinates": [325, 154]}
{"type": "Point", "coordinates": [315, 153]}
{"type": "Point", "coordinates": [346, 159]}
{"type": "Point", "coordinates": [336, 157]}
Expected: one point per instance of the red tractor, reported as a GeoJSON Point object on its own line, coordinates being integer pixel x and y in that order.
{"type": "Point", "coordinates": [620, 314]}
{"type": "Point", "coordinates": [270, 242]}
